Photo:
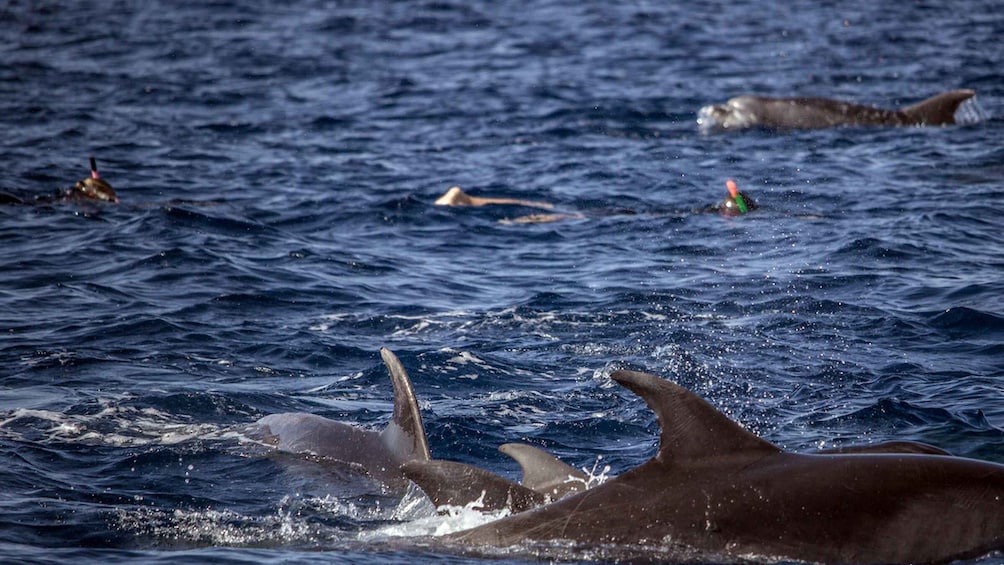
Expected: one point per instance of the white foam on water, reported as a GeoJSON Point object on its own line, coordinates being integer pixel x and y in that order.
{"type": "Point", "coordinates": [121, 426]}
{"type": "Point", "coordinates": [971, 112]}
{"type": "Point", "coordinates": [447, 519]}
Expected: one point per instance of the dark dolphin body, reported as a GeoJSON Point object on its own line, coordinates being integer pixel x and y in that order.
{"type": "Point", "coordinates": [716, 492]}
{"type": "Point", "coordinates": [545, 479]}
{"type": "Point", "coordinates": [812, 113]}
{"type": "Point", "coordinates": [380, 454]}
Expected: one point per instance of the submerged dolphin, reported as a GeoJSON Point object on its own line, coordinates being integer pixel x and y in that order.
{"type": "Point", "coordinates": [714, 491]}
{"type": "Point", "coordinates": [812, 113]}
{"type": "Point", "coordinates": [545, 479]}
{"type": "Point", "coordinates": [381, 453]}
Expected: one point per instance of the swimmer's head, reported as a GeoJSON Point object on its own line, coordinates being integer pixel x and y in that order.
{"type": "Point", "coordinates": [95, 187]}
{"type": "Point", "coordinates": [737, 203]}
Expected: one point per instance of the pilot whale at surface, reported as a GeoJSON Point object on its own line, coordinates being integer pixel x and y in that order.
{"type": "Point", "coordinates": [379, 454]}
{"type": "Point", "coordinates": [716, 492]}
{"type": "Point", "coordinates": [749, 111]}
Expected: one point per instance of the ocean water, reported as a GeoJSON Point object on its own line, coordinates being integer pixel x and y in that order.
{"type": "Point", "coordinates": [277, 165]}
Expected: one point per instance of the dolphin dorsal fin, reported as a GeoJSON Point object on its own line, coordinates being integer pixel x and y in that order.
{"type": "Point", "coordinates": [457, 484]}
{"type": "Point", "coordinates": [404, 436]}
{"type": "Point", "coordinates": [690, 427]}
{"type": "Point", "coordinates": [938, 110]}
{"type": "Point", "coordinates": [544, 472]}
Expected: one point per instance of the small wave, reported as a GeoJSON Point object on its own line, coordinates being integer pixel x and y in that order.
{"type": "Point", "coordinates": [961, 320]}
{"type": "Point", "coordinates": [971, 112]}
{"type": "Point", "coordinates": [111, 423]}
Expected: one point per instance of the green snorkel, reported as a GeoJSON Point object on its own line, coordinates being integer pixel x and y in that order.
{"type": "Point", "coordinates": [734, 191]}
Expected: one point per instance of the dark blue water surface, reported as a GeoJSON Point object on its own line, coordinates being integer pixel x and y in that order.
{"type": "Point", "coordinates": [277, 165]}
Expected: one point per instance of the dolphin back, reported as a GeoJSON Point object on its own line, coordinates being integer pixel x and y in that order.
{"type": "Point", "coordinates": [457, 484]}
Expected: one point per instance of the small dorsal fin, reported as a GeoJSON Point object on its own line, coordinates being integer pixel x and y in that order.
{"type": "Point", "coordinates": [938, 110]}
{"type": "Point", "coordinates": [690, 427]}
{"type": "Point", "coordinates": [404, 436]}
{"type": "Point", "coordinates": [457, 484]}
{"type": "Point", "coordinates": [544, 472]}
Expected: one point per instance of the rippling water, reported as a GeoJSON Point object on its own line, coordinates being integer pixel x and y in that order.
{"type": "Point", "coordinates": [277, 165]}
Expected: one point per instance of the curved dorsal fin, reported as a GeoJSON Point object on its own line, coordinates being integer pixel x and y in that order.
{"type": "Point", "coordinates": [404, 436]}
{"type": "Point", "coordinates": [939, 109]}
{"type": "Point", "coordinates": [690, 427]}
{"type": "Point", "coordinates": [544, 472]}
{"type": "Point", "coordinates": [457, 484]}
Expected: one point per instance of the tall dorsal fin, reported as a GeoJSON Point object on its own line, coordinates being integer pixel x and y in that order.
{"type": "Point", "coordinates": [938, 110]}
{"type": "Point", "coordinates": [544, 472]}
{"type": "Point", "coordinates": [457, 484]}
{"type": "Point", "coordinates": [404, 436]}
{"type": "Point", "coordinates": [690, 427]}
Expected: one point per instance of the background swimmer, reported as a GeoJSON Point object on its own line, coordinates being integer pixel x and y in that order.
{"type": "Point", "coordinates": [91, 188]}
{"type": "Point", "coordinates": [736, 204]}
{"type": "Point", "coordinates": [454, 196]}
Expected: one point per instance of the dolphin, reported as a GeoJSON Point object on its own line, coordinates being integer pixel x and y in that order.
{"type": "Point", "coordinates": [750, 111]}
{"type": "Point", "coordinates": [449, 483]}
{"type": "Point", "coordinates": [545, 479]}
{"type": "Point", "coordinates": [380, 454]}
{"type": "Point", "coordinates": [714, 492]}
{"type": "Point", "coordinates": [545, 473]}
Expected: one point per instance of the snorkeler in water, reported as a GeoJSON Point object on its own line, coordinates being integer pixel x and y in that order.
{"type": "Point", "coordinates": [91, 188]}
{"type": "Point", "coordinates": [736, 203]}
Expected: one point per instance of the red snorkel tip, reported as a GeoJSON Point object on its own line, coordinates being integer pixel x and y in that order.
{"type": "Point", "coordinates": [94, 168]}
{"type": "Point", "coordinates": [738, 198]}
{"type": "Point", "coordinates": [733, 189]}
